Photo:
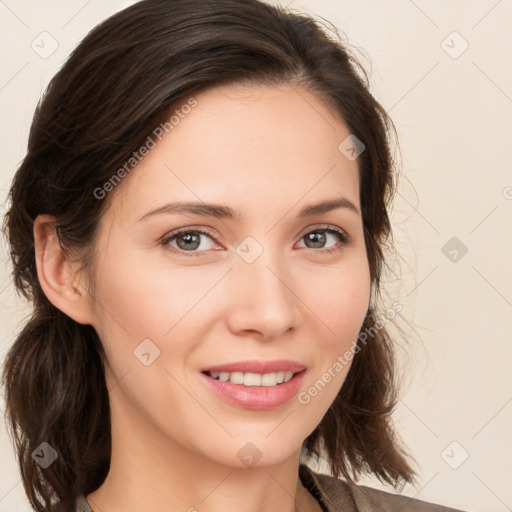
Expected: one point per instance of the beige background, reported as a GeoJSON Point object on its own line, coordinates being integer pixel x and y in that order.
{"type": "Point", "coordinates": [452, 109]}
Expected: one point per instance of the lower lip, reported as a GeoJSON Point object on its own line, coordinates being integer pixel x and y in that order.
{"type": "Point", "coordinates": [256, 397]}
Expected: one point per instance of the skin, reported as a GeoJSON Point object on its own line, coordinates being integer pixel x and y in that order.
{"type": "Point", "coordinates": [265, 152]}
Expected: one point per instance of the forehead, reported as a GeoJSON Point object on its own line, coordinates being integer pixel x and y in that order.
{"type": "Point", "coordinates": [250, 147]}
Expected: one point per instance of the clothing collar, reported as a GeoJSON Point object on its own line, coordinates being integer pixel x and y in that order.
{"type": "Point", "coordinates": [331, 493]}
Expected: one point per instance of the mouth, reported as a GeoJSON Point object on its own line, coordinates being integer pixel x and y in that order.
{"type": "Point", "coordinates": [250, 379]}
{"type": "Point", "coordinates": [255, 384]}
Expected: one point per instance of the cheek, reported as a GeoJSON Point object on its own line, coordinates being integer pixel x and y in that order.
{"type": "Point", "coordinates": [145, 299]}
{"type": "Point", "coordinates": [147, 325]}
{"type": "Point", "coordinates": [341, 302]}
{"type": "Point", "coordinates": [137, 301]}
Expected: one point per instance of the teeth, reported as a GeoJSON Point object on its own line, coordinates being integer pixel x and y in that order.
{"type": "Point", "coordinates": [253, 379]}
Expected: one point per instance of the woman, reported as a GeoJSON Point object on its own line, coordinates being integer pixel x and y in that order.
{"type": "Point", "coordinates": [200, 221]}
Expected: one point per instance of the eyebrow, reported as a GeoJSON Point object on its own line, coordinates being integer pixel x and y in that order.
{"type": "Point", "coordinates": [225, 212]}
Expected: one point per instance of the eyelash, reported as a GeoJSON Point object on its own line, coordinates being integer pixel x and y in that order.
{"type": "Point", "coordinates": [345, 239]}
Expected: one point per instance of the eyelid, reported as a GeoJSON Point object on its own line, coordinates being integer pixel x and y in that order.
{"type": "Point", "coordinates": [326, 227]}
{"type": "Point", "coordinates": [203, 230]}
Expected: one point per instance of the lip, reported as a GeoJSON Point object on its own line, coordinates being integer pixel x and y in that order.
{"type": "Point", "coordinates": [257, 366]}
{"type": "Point", "coordinates": [255, 397]}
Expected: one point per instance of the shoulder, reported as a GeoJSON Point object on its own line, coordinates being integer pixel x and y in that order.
{"type": "Point", "coordinates": [336, 493]}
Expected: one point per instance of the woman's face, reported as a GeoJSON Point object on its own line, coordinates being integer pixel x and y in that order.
{"type": "Point", "coordinates": [265, 285]}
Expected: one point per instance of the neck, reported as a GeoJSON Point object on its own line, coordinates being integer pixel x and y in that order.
{"type": "Point", "coordinates": [151, 471]}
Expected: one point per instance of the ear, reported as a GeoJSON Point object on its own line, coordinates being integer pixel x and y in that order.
{"type": "Point", "coordinates": [58, 274]}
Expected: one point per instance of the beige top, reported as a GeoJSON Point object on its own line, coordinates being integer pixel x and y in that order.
{"type": "Point", "coordinates": [335, 495]}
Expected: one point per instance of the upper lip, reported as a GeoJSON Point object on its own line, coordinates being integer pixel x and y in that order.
{"type": "Point", "coordinates": [256, 366]}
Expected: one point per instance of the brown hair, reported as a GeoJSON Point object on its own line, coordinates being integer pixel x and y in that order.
{"type": "Point", "coordinates": [116, 86]}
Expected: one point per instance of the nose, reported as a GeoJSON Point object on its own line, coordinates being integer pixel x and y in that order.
{"type": "Point", "coordinates": [263, 299]}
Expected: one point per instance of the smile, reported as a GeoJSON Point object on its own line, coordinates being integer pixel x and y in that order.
{"type": "Point", "coordinates": [250, 390]}
{"type": "Point", "coordinates": [253, 379]}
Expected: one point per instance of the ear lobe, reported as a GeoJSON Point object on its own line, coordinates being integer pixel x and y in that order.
{"type": "Point", "coordinates": [58, 275]}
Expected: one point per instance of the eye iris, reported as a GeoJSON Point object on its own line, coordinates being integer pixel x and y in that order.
{"type": "Point", "coordinates": [188, 239]}
{"type": "Point", "coordinates": [317, 237]}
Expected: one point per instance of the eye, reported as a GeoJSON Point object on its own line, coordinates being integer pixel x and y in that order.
{"type": "Point", "coordinates": [188, 240]}
{"type": "Point", "coordinates": [318, 237]}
